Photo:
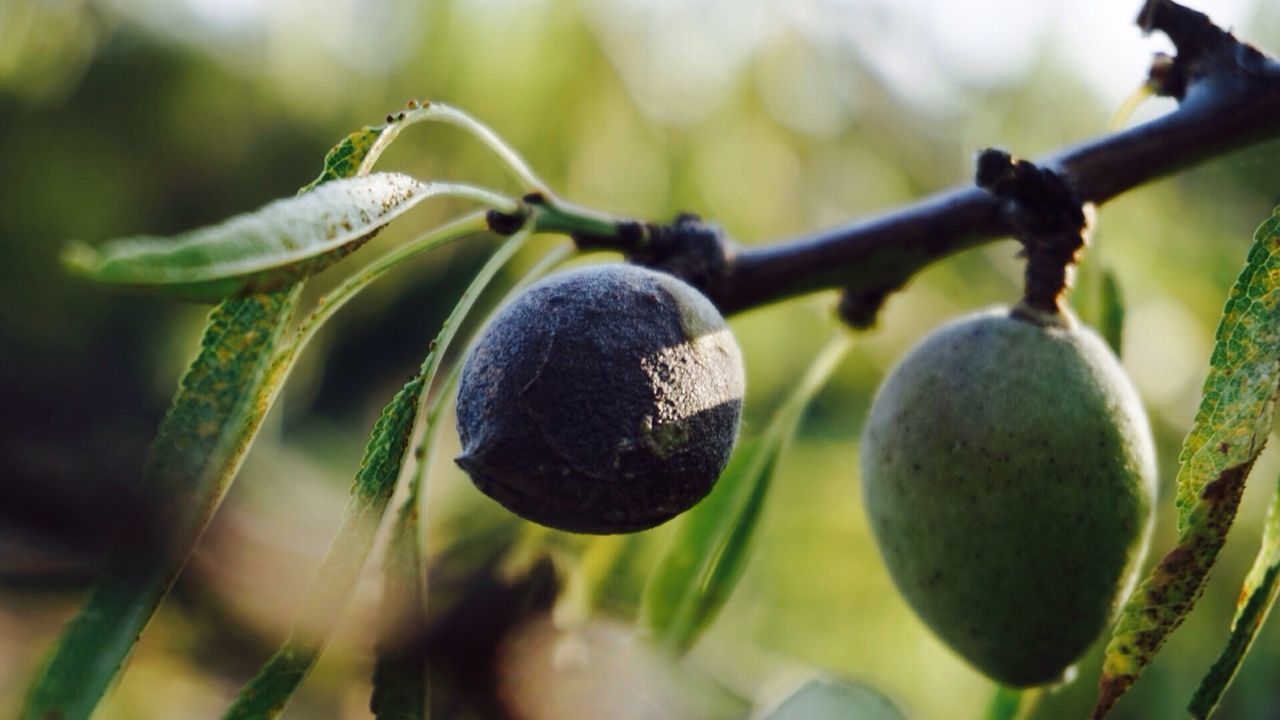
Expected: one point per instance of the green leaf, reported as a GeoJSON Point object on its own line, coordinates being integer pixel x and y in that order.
{"type": "Point", "coordinates": [708, 553]}
{"type": "Point", "coordinates": [823, 699]}
{"type": "Point", "coordinates": [1231, 426]}
{"type": "Point", "coordinates": [261, 251]}
{"type": "Point", "coordinates": [1111, 315]}
{"type": "Point", "coordinates": [220, 405]}
{"type": "Point", "coordinates": [400, 671]}
{"type": "Point", "coordinates": [200, 445]}
{"type": "Point", "coordinates": [587, 571]}
{"type": "Point", "coordinates": [345, 159]}
{"type": "Point", "coordinates": [401, 668]}
{"type": "Point", "coordinates": [1256, 600]}
{"type": "Point", "coordinates": [266, 695]}
{"type": "Point", "coordinates": [399, 678]}
{"type": "Point", "coordinates": [1006, 704]}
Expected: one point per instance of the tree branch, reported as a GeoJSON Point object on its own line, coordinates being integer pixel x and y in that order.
{"type": "Point", "coordinates": [1229, 98]}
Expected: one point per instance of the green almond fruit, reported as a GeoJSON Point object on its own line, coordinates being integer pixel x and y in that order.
{"type": "Point", "coordinates": [1009, 474]}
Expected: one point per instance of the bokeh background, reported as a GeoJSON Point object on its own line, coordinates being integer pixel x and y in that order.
{"type": "Point", "coordinates": [773, 118]}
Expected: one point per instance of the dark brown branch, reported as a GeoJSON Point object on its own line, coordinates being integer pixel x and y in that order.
{"type": "Point", "coordinates": [1229, 97]}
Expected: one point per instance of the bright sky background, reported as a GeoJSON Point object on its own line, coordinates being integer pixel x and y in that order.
{"type": "Point", "coordinates": [675, 52]}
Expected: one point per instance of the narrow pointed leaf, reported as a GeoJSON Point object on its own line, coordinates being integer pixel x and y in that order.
{"type": "Point", "coordinates": [266, 695]}
{"type": "Point", "coordinates": [200, 445]}
{"type": "Point", "coordinates": [260, 251]}
{"type": "Point", "coordinates": [708, 553]}
{"type": "Point", "coordinates": [1238, 400]}
{"type": "Point", "coordinates": [400, 671]}
{"type": "Point", "coordinates": [1006, 704]}
{"type": "Point", "coordinates": [345, 159]}
{"type": "Point", "coordinates": [1111, 311]}
{"type": "Point", "coordinates": [220, 405]}
{"type": "Point", "coordinates": [1257, 597]}
{"type": "Point", "coordinates": [1234, 419]}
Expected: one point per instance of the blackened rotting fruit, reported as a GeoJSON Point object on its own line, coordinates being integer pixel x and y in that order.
{"type": "Point", "coordinates": [601, 400]}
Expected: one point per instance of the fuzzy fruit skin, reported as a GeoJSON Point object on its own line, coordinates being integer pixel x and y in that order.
{"type": "Point", "coordinates": [601, 400]}
{"type": "Point", "coordinates": [1009, 475]}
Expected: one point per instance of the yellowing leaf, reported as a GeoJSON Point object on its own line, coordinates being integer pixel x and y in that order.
{"type": "Point", "coordinates": [221, 403]}
{"type": "Point", "coordinates": [200, 445]}
{"type": "Point", "coordinates": [345, 159]}
{"type": "Point", "coordinates": [1234, 419]}
{"type": "Point", "coordinates": [1256, 600]}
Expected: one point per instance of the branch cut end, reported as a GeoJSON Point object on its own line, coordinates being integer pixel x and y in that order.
{"type": "Point", "coordinates": [1206, 52]}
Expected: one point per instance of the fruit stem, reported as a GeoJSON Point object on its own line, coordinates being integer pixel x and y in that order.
{"type": "Point", "coordinates": [1048, 218]}
{"type": "Point", "coordinates": [1061, 318]}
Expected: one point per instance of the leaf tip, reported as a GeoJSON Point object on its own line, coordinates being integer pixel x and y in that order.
{"type": "Point", "coordinates": [79, 258]}
{"type": "Point", "coordinates": [1201, 707]}
{"type": "Point", "coordinates": [1110, 688]}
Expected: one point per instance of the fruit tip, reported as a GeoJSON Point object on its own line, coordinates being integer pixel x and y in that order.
{"type": "Point", "coordinates": [1110, 688]}
{"type": "Point", "coordinates": [467, 462]}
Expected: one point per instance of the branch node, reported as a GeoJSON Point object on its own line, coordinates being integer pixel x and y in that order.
{"type": "Point", "coordinates": [697, 252]}
{"type": "Point", "coordinates": [1047, 217]}
{"type": "Point", "coordinates": [505, 224]}
{"type": "Point", "coordinates": [860, 309]}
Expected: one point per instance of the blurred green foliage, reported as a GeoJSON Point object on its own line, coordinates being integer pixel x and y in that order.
{"type": "Point", "coordinates": [120, 117]}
